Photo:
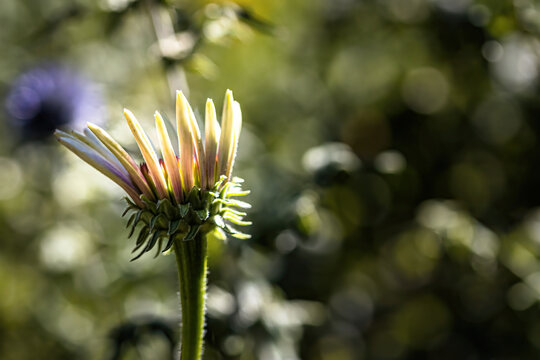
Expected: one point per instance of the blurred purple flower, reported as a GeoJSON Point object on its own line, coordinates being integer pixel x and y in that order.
{"type": "Point", "coordinates": [52, 96]}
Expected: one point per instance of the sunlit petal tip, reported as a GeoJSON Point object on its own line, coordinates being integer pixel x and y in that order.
{"type": "Point", "coordinates": [185, 142]}
{"type": "Point", "coordinates": [237, 113]}
{"type": "Point", "coordinates": [212, 133]}
{"type": "Point", "coordinates": [226, 141]}
{"type": "Point", "coordinates": [180, 98]}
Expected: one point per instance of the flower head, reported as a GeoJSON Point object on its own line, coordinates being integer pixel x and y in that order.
{"type": "Point", "coordinates": [50, 96]}
{"type": "Point", "coordinates": [173, 195]}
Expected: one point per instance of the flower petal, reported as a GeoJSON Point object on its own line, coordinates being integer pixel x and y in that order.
{"type": "Point", "coordinates": [226, 139]}
{"type": "Point", "coordinates": [125, 159]}
{"type": "Point", "coordinates": [148, 153]}
{"type": "Point", "coordinates": [185, 143]}
{"type": "Point", "coordinates": [198, 150]}
{"type": "Point", "coordinates": [94, 159]}
{"type": "Point", "coordinates": [91, 140]}
{"type": "Point", "coordinates": [237, 127]}
{"type": "Point", "coordinates": [211, 139]}
{"type": "Point", "coordinates": [169, 157]}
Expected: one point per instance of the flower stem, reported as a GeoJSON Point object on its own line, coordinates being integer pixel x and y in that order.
{"type": "Point", "coordinates": [191, 258]}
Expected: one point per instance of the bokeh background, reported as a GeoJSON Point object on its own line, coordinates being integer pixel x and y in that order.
{"type": "Point", "coordinates": [392, 150]}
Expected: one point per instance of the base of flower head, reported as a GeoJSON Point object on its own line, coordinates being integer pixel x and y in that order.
{"type": "Point", "coordinates": [202, 212]}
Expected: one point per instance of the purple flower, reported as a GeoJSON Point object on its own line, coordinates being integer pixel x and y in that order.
{"type": "Point", "coordinates": [51, 96]}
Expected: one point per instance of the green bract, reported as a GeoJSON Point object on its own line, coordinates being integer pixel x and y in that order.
{"type": "Point", "coordinates": [205, 211]}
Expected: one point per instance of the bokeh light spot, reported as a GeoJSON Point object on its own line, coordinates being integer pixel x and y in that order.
{"type": "Point", "coordinates": [425, 90]}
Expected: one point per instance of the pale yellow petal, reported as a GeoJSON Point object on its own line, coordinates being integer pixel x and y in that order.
{"type": "Point", "coordinates": [169, 157]}
{"type": "Point", "coordinates": [185, 143]}
{"type": "Point", "coordinates": [211, 139]}
{"type": "Point", "coordinates": [148, 153]}
{"type": "Point", "coordinates": [237, 127]}
{"type": "Point", "coordinates": [227, 134]}
{"type": "Point", "coordinates": [198, 150]}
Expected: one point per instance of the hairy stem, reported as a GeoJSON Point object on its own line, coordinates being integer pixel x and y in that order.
{"type": "Point", "coordinates": [191, 258]}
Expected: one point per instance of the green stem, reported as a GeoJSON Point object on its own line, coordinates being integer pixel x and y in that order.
{"type": "Point", "coordinates": [191, 258]}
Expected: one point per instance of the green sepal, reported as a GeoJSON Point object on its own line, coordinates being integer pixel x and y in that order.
{"type": "Point", "coordinates": [234, 211]}
{"type": "Point", "coordinates": [202, 214]}
{"type": "Point", "coordinates": [184, 209]}
{"type": "Point", "coordinates": [236, 203]}
{"type": "Point", "coordinates": [241, 235]}
{"type": "Point", "coordinates": [161, 204]}
{"type": "Point", "coordinates": [170, 210]}
{"type": "Point", "coordinates": [194, 198]}
{"type": "Point", "coordinates": [218, 220]}
{"type": "Point", "coordinates": [153, 222]}
{"type": "Point", "coordinates": [169, 244]}
{"type": "Point", "coordinates": [213, 194]}
{"type": "Point", "coordinates": [238, 193]}
{"type": "Point", "coordinates": [160, 220]}
{"type": "Point", "coordinates": [151, 242]}
{"type": "Point", "coordinates": [132, 230]}
{"type": "Point", "coordinates": [130, 221]}
{"type": "Point", "coordinates": [151, 204]}
{"type": "Point", "coordinates": [143, 234]}
{"type": "Point", "coordinates": [128, 209]}
{"type": "Point", "coordinates": [160, 244]}
{"type": "Point", "coordinates": [237, 234]}
{"type": "Point", "coordinates": [193, 230]}
{"type": "Point", "coordinates": [138, 255]}
{"type": "Point", "coordinates": [135, 222]}
{"type": "Point", "coordinates": [220, 182]}
{"type": "Point", "coordinates": [148, 246]}
{"type": "Point", "coordinates": [146, 216]}
{"type": "Point", "coordinates": [225, 189]}
{"type": "Point", "coordinates": [173, 227]}
{"type": "Point", "coordinates": [130, 203]}
{"type": "Point", "coordinates": [141, 238]}
{"type": "Point", "coordinates": [236, 220]}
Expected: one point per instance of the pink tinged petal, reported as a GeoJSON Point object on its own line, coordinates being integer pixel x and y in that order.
{"type": "Point", "coordinates": [148, 153]}
{"type": "Point", "coordinates": [211, 139]}
{"type": "Point", "coordinates": [237, 127]}
{"type": "Point", "coordinates": [227, 134]}
{"type": "Point", "coordinates": [94, 159]}
{"type": "Point", "coordinates": [146, 173]}
{"type": "Point", "coordinates": [198, 150]}
{"type": "Point", "coordinates": [185, 143]}
{"type": "Point", "coordinates": [125, 159]}
{"type": "Point", "coordinates": [169, 157]}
